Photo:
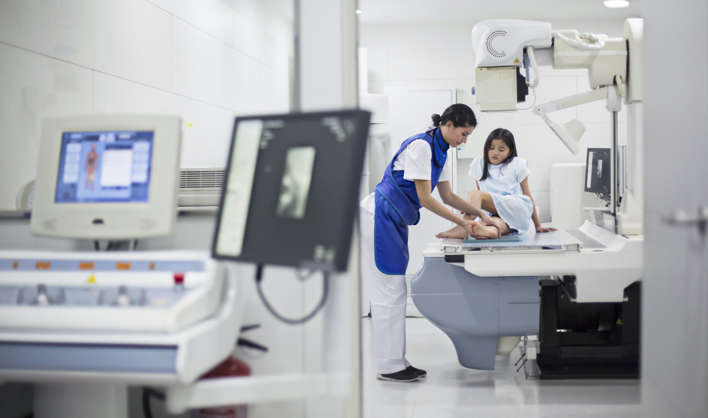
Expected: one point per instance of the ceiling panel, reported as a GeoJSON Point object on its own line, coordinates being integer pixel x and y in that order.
{"type": "Point", "coordinates": [459, 11]}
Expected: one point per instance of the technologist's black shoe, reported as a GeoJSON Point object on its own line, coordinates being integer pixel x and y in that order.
{"type": "Point", "coordinates": [420, 372]}
{"type": "Point", "coordinates": [404, 376]}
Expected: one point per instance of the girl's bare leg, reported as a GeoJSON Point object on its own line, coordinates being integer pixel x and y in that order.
{"type": "Point", "coordinates": [480, 199]}
{"type": "Point", "coordinates": [480, 231]}
{"type": "Point", "coordinates": [492, 231]}
{"type": "Point", "coordinates": [457, 232]}
{"type": "Point", "coordinates": [477, 199]}
{"type": "Point", "coordinates": [501, 225]}
{"type": "Point", "coordinates": [485, 232]}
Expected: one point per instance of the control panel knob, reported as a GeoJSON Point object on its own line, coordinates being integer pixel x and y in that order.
{"type": "Point", "coordinates": [123, 297]}
{"type": "Point", "coordinates": [42, 297]}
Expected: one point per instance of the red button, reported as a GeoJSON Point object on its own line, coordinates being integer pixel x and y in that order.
{"type": "Point", "coordinates": [179, 278]}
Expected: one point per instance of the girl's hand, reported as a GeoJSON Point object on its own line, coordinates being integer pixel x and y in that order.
{"type": "Point", "coordinates": [541, 228]}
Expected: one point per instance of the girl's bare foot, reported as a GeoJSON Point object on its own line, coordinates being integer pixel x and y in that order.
{"type": "Point", "coordinates": [457, 232]}
{"type": "Point", "coordinates": [485, 231]}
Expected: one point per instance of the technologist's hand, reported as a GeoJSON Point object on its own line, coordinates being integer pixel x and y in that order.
{"type": "Point", "coordinates": [542, 228]}
{"type": "Point", "coordinates": [487, 220]}
{"type": "Point", "coordinates": [470, 226]}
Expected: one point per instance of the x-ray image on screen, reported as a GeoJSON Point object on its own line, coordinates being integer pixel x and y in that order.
{"type": "Point", "coordinates": [295, 185]}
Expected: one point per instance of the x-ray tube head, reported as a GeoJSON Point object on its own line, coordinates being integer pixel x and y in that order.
{"type": "Point", "coordinates": [501, 42]}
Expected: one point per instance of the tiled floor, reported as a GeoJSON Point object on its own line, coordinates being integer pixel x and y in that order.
{"type": "Point", "coordinates": [454, 391]}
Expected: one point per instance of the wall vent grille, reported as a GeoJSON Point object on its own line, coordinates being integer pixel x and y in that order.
{"type": "Point", "coordinates": [190, 178]}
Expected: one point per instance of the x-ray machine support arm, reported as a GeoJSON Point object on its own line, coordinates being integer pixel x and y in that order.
{"type": "Point", "coordinates": [570, 132]}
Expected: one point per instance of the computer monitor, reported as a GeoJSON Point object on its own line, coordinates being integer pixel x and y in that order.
{"type": "Point", "coordinates": [291, 189]}
{"type": "Point", "coordinates": [598, 174]}
{"type": "Point", "coordinates": [107, 177]}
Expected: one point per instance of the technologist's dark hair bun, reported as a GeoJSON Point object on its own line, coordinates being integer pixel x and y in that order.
{"type": "Point", "coordinates": [436, 119]}
{"type": "Point", "coordinates": [459, 114]}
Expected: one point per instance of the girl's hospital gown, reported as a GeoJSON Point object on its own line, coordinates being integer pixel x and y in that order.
{"type": "Point", "coordinates": [503, 183]}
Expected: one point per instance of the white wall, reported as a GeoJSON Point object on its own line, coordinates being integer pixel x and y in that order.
{"type": "Point", "coordinates": [206, 61]}
{"type": "Point", "coordinates": [426, 57]}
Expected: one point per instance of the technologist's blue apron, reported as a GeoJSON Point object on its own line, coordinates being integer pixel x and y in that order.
{"type": "Point", "coordinates": [397, 206]}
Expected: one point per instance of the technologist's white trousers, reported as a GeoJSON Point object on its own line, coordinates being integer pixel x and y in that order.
{"type": "Point", "coordinates": [388, 302]}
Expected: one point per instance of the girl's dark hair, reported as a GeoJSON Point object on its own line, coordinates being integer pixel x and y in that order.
{"type": "Point", "coordinates": [508, 138]}
{"type": "Point", "coordinates": [460, 114]}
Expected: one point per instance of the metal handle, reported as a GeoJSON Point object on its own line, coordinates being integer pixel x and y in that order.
{"type": "Point", "coordinates": [682, 218]}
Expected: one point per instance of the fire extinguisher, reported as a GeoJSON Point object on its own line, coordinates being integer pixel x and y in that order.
{"type": "Point", "coordinates": [230, 367]}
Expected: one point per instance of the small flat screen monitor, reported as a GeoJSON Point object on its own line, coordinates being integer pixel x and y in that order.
{"type": "Point", "coordinates": [107, 177]}
{"type": "Point", "coordinates": [598, 174]}
{"type": "Point", "coordinates": [291, 189]}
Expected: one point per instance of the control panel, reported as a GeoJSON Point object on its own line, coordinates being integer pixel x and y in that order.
{"type": "Point", "coordinates": [156, 291]}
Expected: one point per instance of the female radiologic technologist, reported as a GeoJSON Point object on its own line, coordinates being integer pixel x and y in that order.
{"type": "Point", "coordinates": [416, 169]}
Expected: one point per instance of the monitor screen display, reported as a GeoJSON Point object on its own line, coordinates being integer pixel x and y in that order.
{"type": "Point", "coordinates": [104, 166]}
{"type": "Point", "coordinates": [598, 174]}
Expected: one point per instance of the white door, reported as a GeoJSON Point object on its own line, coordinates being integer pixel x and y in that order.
{"type": "Point", "coordinates": [675, 286]}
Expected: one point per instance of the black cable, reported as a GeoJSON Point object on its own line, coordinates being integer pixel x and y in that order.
{"type": "Point", "coordinates": [246, 328]}
{"type": "Point", "coordinates": [147, 394]}
{"type": "Point", "coordinates": [154, 393]}
{"type": "Point", "coordinates": [147, 412]}
{"type": "Point", "coordinates": [243, 342]}
{"type": "Point", "coordinates": [292, 321]}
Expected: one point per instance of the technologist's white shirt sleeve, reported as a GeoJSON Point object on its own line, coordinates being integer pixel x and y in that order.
{"type": "Point", "coordinates": [416, 161]}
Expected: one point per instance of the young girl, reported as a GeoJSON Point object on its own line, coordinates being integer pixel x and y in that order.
{"type": "Point", "coordinates": [502, 190]}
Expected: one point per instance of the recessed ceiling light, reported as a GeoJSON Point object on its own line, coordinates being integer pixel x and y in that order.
{"type": "Point", "coordinates": [615, 4]}
{"type": "Point", "coordinates": [358, 11]}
